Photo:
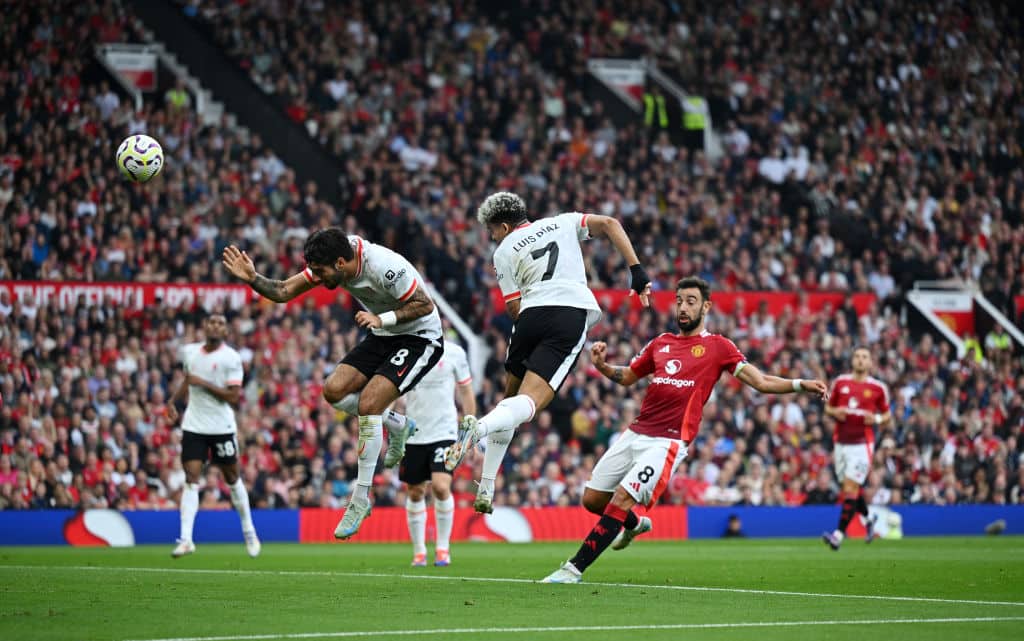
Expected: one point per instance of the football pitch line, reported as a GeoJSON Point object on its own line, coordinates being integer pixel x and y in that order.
{"type": "Point", "coordinates": [582, 628]}
{"type": "Point", "coordinates": [479, 579]}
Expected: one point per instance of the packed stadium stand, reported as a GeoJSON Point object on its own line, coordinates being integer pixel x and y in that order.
{"type": "Point", "coordinates": [912, 135]}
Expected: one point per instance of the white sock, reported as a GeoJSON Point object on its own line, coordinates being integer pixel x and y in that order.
{"type": "Point", "coordinates": [349, 404]}
{"type": "Point", "coordinates": [507, 415]}
{"type": "Point", "coordinates": [839, 535]}
{"type": "Point", "coordinates": [371, 440]}
{"type": "Point", "coordinates": [416, 517]}
{"type": "Point", "coordinates": [444, 516]}
{"type": "Point", "coordinates": [189, 507]}
{"type": "Point", "coordinates": [240, 499]}
{"type": "Point", "coordinates": [394, 421]}
{"type": "Point", "coordinates": [499, 426]}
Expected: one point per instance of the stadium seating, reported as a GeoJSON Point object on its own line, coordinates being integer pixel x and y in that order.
{"type": "Point", "coordinates": [84, 390]}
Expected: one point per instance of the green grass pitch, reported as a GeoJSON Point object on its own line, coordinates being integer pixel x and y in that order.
{"type": "Point", "coordinates": [924, 588]}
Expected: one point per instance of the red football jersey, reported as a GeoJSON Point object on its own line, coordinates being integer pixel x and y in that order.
{"type": "Point", "coordinates": [685, 370]}
{"type": "Point", "coordinates": [862, 400]}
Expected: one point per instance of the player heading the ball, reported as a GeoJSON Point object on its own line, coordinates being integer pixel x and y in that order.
{"type": "Point", "coordinates": [543, 278]}
{"type": "Point", "coordinates": [403, 345]}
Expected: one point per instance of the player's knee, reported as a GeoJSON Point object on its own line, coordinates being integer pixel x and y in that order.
{"type": "Point", "coordinates": [334, 391]}
{"type": "Point", "coordinates": [416, 493]}
{"type": "Point", "coordinates": [441, 493]}
{"type": "Point", "coordinates": [594, 503]}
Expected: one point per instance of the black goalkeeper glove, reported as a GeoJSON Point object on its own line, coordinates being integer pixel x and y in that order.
{"type": "Point", "coordinates": [638, 280]}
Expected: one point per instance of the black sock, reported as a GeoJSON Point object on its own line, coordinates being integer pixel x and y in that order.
{"type": "Point", "coordinates": [862, 506]}
{"type": "Point", "coordinates": [632, 520]}
{"type": "Point", "coordinates": [600, 538]}
{"type": "Point", "coordinates": [849, 507]}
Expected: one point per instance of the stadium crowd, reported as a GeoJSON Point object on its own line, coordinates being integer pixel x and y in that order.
{"type": "Point", "coordinates": [83, 420]}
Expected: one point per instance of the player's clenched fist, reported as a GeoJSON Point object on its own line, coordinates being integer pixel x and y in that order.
{"type": "Point", "coordinates": [238, 263]}
{"type": "Point", "coordinates": [598, 351]}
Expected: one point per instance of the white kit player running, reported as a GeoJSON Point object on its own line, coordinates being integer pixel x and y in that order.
{"type": "Point", "coordinates": [404, 344]}
{"type": "Point", "coordinates": [637, 467]}
{"type": "Point", "coordinates": [432, 406]}
{"type": "Point", "coordinates": [542, 275]}
{"type": "Point", "coordinates": [212, 385]}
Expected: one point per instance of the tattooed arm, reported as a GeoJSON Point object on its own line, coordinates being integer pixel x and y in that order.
{"type": "Point", "coordinates": [417, 305]}
{"type": "Point", "coordinates": [623, 375]}
{"type": "Point", "coordinates": [280, 291]}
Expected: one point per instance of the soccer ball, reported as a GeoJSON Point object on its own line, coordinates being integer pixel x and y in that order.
{"type": "Point", "coordinates": [139, 158]}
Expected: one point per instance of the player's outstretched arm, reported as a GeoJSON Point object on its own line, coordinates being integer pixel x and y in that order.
{"type": "Point", "coordinates": [240, 265]}
{"type": "Point", "coordinates": [623, 375]}
{"type": "Point", "coordinates": [769, 384]}
{"type": "Point", "coordinates": [612, 228]}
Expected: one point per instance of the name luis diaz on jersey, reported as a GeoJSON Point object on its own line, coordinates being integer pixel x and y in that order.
{"type": "Point", "coordinates": [534, 237]}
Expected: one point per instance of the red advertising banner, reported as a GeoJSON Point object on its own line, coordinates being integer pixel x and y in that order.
{"type": "Point", "coordinates": [724, 302]}
{"type": "Point", "coordinates": [130, 295]}
{"type": "Point", "coordinates": [141, 295]}
{"type": "Point", "coordinates": [514, 525]}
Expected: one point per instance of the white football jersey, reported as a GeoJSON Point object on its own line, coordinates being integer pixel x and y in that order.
{"type": "Point", "coordinates": [386, 280]}
{"type": "Point", "coordinates": [432, 402]}
{"type": "Point", "coordinates": [205, 413]}
{"type": "Point", "coordinates": [541, 262]}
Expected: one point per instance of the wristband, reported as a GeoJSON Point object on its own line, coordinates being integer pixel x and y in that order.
{"type": "Point", "coordinates": [387, 319]}
{"type": "Point", "coordinates": [796, 385]}
{"type": "Point", "coordinates": [638, 278]}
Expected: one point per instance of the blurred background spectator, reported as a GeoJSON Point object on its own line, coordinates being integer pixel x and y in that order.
{"type": "Point", "coordinates": [910, 138]}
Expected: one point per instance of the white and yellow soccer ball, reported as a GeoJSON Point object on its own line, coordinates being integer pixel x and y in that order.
{"type": "Point", "coordinates": [140, 158]}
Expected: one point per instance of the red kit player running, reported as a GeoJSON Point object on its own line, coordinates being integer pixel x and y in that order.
{"type": "Point", "coordinates": [638, 466]}
{"type": "Point", "coordinates": [858, 402]}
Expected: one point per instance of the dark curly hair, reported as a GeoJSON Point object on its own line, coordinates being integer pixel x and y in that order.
{"type": "Point", "coordinates": [326, 246]}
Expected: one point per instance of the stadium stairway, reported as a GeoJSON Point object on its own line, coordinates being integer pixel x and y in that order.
{"type": "Point", "coordinates": [254, 110]}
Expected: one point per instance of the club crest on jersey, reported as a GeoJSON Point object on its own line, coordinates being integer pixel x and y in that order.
{"type": "Point", "coordinates": [697, 351]}
{"type": "Point", "coordinates": [867, 393]}
{"type": "Point", "coordinates": [673, 367]}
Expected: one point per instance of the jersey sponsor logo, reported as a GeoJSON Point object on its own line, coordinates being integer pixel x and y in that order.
{"type": "Point", "coordinates": [664, 350]}
{"type": "Point", "coordinates": [392, 275]}
{"type": "Point", "coordinates": [698, 350]}
{"type": "Point", "coordinates": [678, 383]}
{"type": "Point", "coordinates": [673, 366]}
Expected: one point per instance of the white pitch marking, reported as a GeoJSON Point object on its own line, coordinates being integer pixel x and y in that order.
{"type": "Point", "coordinates": [583, 628]}
{"type": "Point", "coordinates": [484, 579]}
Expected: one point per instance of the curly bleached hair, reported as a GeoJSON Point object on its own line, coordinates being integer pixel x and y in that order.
{"type": "Point", "coordinates": [502, 207]}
